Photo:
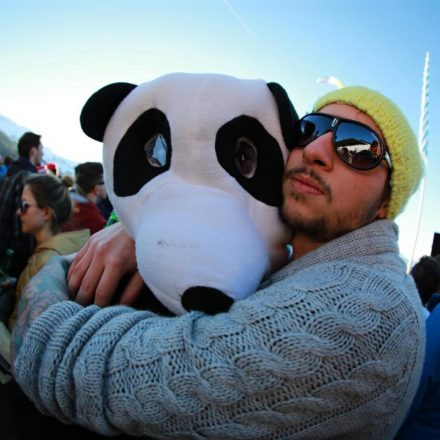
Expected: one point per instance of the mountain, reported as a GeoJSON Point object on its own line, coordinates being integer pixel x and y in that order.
{"type": "Point", "coordinates": [9, 127]}
{"type": "Point", "coordinates": [10, 132]}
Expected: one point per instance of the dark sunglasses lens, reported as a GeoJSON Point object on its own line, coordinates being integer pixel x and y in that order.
{"type": "Point", "coordinates": [358, 146]}
{"type": "Point", "coordinates": [311, 127]}
{"type": "Point", "coordinates": [23, 206]}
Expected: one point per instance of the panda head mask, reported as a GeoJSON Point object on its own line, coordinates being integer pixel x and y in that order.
{"type": "Point", "coordinates": [193, 165]}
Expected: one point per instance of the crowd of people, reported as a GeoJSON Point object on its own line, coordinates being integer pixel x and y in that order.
{"type": "Point", "coordinates": [43, 214]}
{"type": "Point", "coordinates": [345, 289]}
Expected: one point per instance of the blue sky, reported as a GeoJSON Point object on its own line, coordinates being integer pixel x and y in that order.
{"type": "Point", "coordinates": [54, 54]}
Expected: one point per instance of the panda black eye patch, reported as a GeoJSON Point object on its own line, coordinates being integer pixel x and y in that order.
{"type": "Point", "coordinates": [143, 153]}
{"type": "Point", "coordinates": [250, 154]}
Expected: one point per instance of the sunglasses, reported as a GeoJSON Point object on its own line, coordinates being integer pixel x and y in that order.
{"type": "Point", "coordinates": [23, 206]}
{"type": "Point", "coordinates": [355, 143]}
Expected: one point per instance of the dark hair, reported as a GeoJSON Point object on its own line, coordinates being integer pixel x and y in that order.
{"type": "Point", "coordinates": [87, 175]}
{"type": "Point", "coordinates": [49, 192]}
{"type": "Point", "coordinates": [26, 142]}
{"type": "Point", "coordinates": [426, 274]}
{"type": "Point", "coordinates": [67, 181]}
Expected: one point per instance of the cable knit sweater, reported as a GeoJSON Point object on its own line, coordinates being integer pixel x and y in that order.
{"type": "Point", "coordinates": [331, 347]}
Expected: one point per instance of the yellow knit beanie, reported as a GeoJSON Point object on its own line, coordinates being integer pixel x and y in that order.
{"type": "Point", "coordinates": [406, 160]}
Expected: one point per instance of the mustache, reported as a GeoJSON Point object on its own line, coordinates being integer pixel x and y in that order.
{"type": "Point", "coordinates": [313, 175]}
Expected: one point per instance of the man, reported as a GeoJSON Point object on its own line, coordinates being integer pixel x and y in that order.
{"type": "Point", "coordinates": [330, 347]}
{"type": "Point", "coordinates": [423, 420]}
{"type": "Point", "coordinates": [90, 191]}
{"type": "Point", "coordinates": [30, 151]}
{"type": "Point", "coordinates": [426, 274]}
{"type": "Point", "coordinates": [30, 154]}
{"type": "Point", "coordinates": [3, 168]}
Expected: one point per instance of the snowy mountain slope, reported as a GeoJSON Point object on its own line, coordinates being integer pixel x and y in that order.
{"type": "Point", "coordinates": [13, 131]}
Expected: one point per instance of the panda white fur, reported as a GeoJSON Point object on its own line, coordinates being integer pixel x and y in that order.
{"type": "Point", "coordinates": [193, 165]}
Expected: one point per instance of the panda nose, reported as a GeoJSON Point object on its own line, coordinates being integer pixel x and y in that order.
{"type": "Point", "coordinates": [206, 299]}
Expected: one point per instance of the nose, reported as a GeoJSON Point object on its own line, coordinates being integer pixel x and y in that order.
{"type": "Point", "coordinates": [206, 299]}
{"type": "Point", "coordinates": [320, 152]}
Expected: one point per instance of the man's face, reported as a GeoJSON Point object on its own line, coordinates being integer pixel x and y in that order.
{"type": "Point", "coordinates": [324, 198]}
{"type": "Point", "coordinates": [36, 154]}
{"type": "Point", "coordinates": [100, 191]}
{"type": "Point", "coordinates": [39, 157]}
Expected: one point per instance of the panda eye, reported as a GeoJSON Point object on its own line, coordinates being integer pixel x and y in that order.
{"type": "Point", "coordinates": [156, 150]}
{"type": "Point", "coordinates": [245, 157]}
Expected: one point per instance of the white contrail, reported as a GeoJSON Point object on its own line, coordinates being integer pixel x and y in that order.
{"type": "Point", "coordinates": [268, 54]}
{"type": "Point", "coordinates": [241, 21]}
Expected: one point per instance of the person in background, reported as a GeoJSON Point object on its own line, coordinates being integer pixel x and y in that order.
{"type": "Point", "coordinates": [90, 190]}
{"type": "Point", "coordinates": [30, 151]}
{"type": "Point", "coordinates": [30, 154]}
{"type": "Point", "coordinates": [3, 167]}
{"type": "Point", "coordinates": [105, 207]}
{"type": "Point", "coordinates": [331, 346]}
{"type": "Point", "coordinates": [426, 274]}
{"type": "Point", "coordinates": [423, 420]}
{"type": "Point", "coordinates": [67, 181]}
{"type": "Point", "coordinates": [52, 169]}
{"type": "Point", "coordinates": [435, 297]}
{"type": "Point", "coordinates": [44, 206]}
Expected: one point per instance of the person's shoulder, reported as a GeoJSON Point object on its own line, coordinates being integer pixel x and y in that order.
{"type": "Point", "coordinates": [37, 260]}
{"type": "Point", "coordinates": [70, 241]}
{"type": "Point", "coordinates": [17, 177]}
{"type": "Point", "coordinates": [380, 283]}
{"type": "Point", "coordinates": [433, 302]}
{"type": "Point", "coordinates": [21, 164]}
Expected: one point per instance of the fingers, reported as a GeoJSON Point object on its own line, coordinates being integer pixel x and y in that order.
{"type": "Point", "coordinates": [78, 268]}
{"type": "Point", "coordinates": [100, 265]}
{"type": "Point", "coordinates": [89, 282]}
{"type": "Point", "coordinates": [108, 282]}
{"type": "Point", "coordinates": [132, 290]}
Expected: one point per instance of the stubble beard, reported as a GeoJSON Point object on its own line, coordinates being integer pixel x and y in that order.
{"type": "Point", "coordinates": [322, 227]}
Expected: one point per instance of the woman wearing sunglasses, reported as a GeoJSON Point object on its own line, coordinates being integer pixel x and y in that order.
{"type": "Point", "coordinates": [45, 205]}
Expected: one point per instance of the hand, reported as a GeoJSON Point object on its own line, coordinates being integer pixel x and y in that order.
{"type": "Point", "coordinates": [100, 265]}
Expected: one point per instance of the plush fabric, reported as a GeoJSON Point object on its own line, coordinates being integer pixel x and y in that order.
{"type": "Point", "coordinates": [193, 165]}
{"type": "Point", "coordinates": [330, 347]}
{"type": "Point", "coordinates": [401, 142]}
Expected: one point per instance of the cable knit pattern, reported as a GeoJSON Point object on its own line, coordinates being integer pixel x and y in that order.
{"type": "Point", "coordinates": [331, 347]}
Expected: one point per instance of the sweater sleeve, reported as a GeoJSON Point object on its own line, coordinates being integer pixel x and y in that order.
{"type": "Point", "coordinates": [314, 356]}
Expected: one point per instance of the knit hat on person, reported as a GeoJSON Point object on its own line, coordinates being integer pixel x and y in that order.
{"type": "Point", "coordinates": [406, 160]}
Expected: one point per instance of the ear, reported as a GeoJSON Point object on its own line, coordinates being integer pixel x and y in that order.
{"type": "Point", "coordinates": [286, 112]}
{"type": "Point", "coordinates": [47, 213]}
{"type": "Point", "coordinates": [100, 107]}
{"type": "Point", "coordinates": [382, 212]}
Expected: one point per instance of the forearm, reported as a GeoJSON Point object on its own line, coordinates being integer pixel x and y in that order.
{"type": "Point", "coordinates": [260, 371]}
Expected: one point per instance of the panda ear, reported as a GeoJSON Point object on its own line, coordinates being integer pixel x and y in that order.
{"type": "Point", "coordinates": [100, 107]}
{"type": "Point", "coordinates": [287, 114]}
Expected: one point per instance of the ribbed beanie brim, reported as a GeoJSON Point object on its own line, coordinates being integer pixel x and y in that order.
{"type": "Point", "coordinates": [407, 163]}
